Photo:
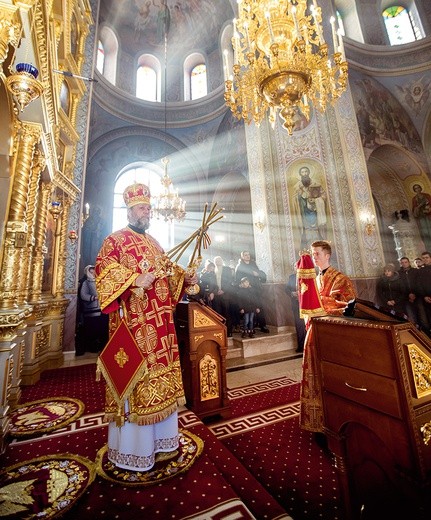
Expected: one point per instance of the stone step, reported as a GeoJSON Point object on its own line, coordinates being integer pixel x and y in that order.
{"type": "Point", "coordinates": [261, 343]}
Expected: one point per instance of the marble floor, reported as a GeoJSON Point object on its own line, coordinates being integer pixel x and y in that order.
{"type": "Point", "coordinates": [258, 368]}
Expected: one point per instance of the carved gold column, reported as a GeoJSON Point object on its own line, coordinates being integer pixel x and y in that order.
{"type": "Point", "coordinates": [36, 276]}
{"type": "Point", "coordinates": [38, 166]}
{"type": "Point", "coordinates": [16, 227]}
{"type": "Point", "coordinates": [74, 103]}
{"type": "Point", "coordinates": [10, 29]}
{"type": "Point", "coordinates": [59, 261]}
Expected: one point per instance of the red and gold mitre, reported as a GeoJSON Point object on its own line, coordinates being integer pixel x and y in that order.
{"type": "Point", "coordinates": [136, 194]}
{"type": "Point", "coordinates": [310, 303]}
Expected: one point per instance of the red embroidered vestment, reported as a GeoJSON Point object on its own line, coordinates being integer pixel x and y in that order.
{"type": "Point", "coordinates": [335, 290]}
{"type": "Point", "coordinates": [125, 255]}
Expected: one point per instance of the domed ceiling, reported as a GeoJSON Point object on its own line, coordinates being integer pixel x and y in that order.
{"type": "Point", "coordinates": [193, 25]}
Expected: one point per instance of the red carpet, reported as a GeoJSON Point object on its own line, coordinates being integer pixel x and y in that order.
{"type": "Point", "coordinates": [264, 434]}
{"type": "Point", "coordinates": [258, 464]}
{"type": "Point", "coordinates": [78, 382]}
{"type": "Point", "coordinates": [216, 486]}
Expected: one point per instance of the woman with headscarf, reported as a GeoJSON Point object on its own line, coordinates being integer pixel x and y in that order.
{"type": "Point", "coordinates": [390, 290]}
{"type": "Point", "coordinates": [94, 334]}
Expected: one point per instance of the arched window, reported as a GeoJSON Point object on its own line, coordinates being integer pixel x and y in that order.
{"type": "Point", "coordinates": [100, 62]}
{"type": "Point", "coordinates": [150, 175]}
{"type": "Point", "coordinates": [195, 77]}
{"type": "Point", "coordinates": [198, 81]}
{"type": "Point", "coordinates": [108, 44]}
{"type": "Point", "coordinates": [401, 25]}
{"type": "Point", "coordinates": [148, 84]}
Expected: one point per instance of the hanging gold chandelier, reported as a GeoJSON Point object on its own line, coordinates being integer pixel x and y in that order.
{"type": "Point", "coordinates": [281, 62]}
{"type": "Point", "coordinates": [168, 205]}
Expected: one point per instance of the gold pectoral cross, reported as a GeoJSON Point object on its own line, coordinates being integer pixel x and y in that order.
{"type": "Point", "coordinates": [121, 357]}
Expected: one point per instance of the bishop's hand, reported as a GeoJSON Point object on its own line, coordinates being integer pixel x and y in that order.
{"type": "Point", "coordinates": [145, 280]}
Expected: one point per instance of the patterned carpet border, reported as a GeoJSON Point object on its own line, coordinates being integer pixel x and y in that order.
{"type": "Point", "coordinates": [257, 388]}
{"type": "Point", "coordinates": [44, 415]}
{"type": "Point", "coordinates": [44, 487]}
{"type": "Point", "coordinates": [254, 421]}
{"type": "Point", "coordinates": [189, 450]}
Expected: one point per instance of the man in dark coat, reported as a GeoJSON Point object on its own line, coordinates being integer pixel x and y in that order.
{"type": "Point", "coordinates": [248, 268]}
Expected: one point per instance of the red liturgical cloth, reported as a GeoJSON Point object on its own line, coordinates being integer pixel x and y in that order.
{"type": "Point", "coordinates": [121, 363]}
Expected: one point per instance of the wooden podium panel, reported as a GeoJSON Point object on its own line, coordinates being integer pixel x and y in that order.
{"type": "Point", "coordinates": [202, 342]}
{"type": "Point", "coordinates": [375, 376]}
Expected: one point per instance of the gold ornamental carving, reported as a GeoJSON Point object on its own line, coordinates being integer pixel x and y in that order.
{"type": "Point", "coordinates": [58, 31]}
{"type": "Point", "coordinates": [8, 378]}
{"type": "Point", "coordinates": [426, 433]}
{"type": "Point", "coordinates": [202, 320]}
{"type": "Point", "coordinates": [42, 340]}
{"type": "Point", "coordinates": [198, 337]}
{"type": "Point", "coordinates": [57, 308]}
{"type": "Point", "coordinates": [40, 310]}
{"type": "Point", "coordinates": [421, 369]}
{"type": "Point", "coordinates": [59, 267]}
{"type": "Point", "coordinates": [218, 335]}
{"type": "Point", "coordinates": [10, 29]}
{"type": "Point", "coordinates": [40, 250]}
{"type": "Point", "coordinates": [28, 135]}
{"type": "Point", "coordinates": [208, 376]}
{"type": "Point", "coordinates": [10, 321]}
{"type": "Point", "coordinates": [38, 166]}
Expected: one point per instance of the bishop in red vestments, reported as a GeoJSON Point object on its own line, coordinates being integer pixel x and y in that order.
{"type": "Point", "coordinates": [130, 276]}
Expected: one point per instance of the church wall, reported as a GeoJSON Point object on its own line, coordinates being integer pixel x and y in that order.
{"type": "Point", "coordinates": [190, 153]}
{"type": "Point", "coordinates": [393, 145]}
{"type": "Point", "coordinates": [372, 24]}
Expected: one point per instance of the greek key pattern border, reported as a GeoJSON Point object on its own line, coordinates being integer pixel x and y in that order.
{"type": "Point", "coordinates": [255, 420]}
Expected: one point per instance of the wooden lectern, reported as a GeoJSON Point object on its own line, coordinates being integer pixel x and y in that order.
{"type": "Point", "coordinates": [203, 344]}
{"type": "Point", "coordinates": [375, 375]}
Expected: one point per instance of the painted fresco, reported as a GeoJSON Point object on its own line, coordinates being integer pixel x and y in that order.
{"type": "Point", "coordinates": [381, 118]}
{"type": "Point", "coordinates": [309, 202]}
{"type": "Point", "coordinates": [189, 22]}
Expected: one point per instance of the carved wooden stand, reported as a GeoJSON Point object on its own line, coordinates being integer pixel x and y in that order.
{"type": "Point", "coordinates": [203, 344]}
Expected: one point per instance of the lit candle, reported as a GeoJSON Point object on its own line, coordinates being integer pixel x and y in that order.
{"type": "Point", "coordinates": [334, 34]}
{"type": "Point", "coordinates": [305, 32]}
{"type": "Point", "coordinates": [268, 18]}
{"type": "Point", "coordinates": [317, 25]}
{"type": "Point", "coordinates": [225, 64]}
{"type": "Point", "coordinates": [295, 21]}
{"type": "Point", "coordinates": [341, 44]}
{"type": "Point", "coordinates": [235, 47]}
{"type": "Point", "coordinates": [86, 209]}
{"type": "Point", "coordinates": [235, 42]}
{"type": "Point", "coordinates": [247, 36]}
